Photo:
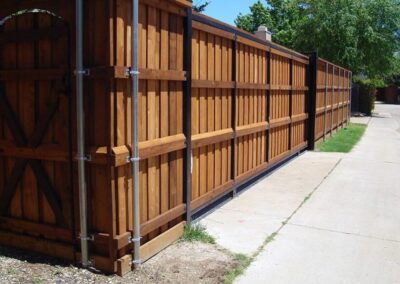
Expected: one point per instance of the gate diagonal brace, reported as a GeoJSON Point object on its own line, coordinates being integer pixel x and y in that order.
{"type": "Point", "coordinates": [20, 138]}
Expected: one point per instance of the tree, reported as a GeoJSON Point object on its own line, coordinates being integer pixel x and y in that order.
{"type": "Point", "coordinates": [362, 35]}
{"type": "Point", "coordinates": [200, 6]}
{"type": "Point", "coordinates": [280, 16]}
{"type": "Point", "coordinates": [259, 15]}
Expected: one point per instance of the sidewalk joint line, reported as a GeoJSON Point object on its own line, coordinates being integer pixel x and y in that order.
{"type": "Point", "coordinates": [343, 233]}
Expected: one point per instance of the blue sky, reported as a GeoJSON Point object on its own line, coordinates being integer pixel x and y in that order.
{"type": "Point", "coordinates": [227, 10]}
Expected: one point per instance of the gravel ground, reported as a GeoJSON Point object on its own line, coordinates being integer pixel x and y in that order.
{"type": "Point", "coordinates": [182, 262]}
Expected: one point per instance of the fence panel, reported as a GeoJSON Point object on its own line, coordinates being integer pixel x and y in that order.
{"type": "Point", "coordinates": [332, 98]}
{"type": "Point", "coordinates": [212, 132]}
{"type": "Point", "coordinates": [251, 107]}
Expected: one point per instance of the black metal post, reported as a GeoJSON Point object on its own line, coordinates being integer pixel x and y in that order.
{"type": "Point", "coordinates": [333, 97]}
{"type": "Point", "coordinates": [268, 112]}
{"type": "Point", "coordinates": [326, 98]}
{"type": "Point", "coordinates": [341, 73]}
{"type": "Point", "coordinates": [350, 93]}
{"type": "Point", "coordinates": [290, 102]}
{"type": "Point", "coordinates": [187, 114]}
{"type": "Point", "coordinates": [312, 97]}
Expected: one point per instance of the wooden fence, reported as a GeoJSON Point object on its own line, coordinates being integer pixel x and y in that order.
{"type": "Point", "coordinates": [332, 98]}
{"type": "Point", "coordinates": [249, 107]}
{"type": "Point", "coordinates": [217, 108]}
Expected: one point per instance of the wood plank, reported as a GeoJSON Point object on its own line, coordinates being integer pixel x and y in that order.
{"type": "Point", "coordinates": [151, 248]}
{"type": "Point", "coordinates": [251, 128]}
{"type": "Point", "coordinates": [170, 75]}
{"type": "Point", "coordinates": [33, 74]}
{"type": "Point", "coordinates": [279, 122]}
{"type": "Point", "coordinates": [214, 194]}
{"type": "Point", "coordinates": [242, 178]}
{"type": "Point", "coordinates": [161, 146]}
{"type": "Point", "coordinates": [213, 137]}
{"type": "Point", "coordinates": [10, 186]}
{"type": "Point", "coordinates": [252, 43]}
{"type": "Point", "coordinates": [162, 219]}
{"type": "Point", "coordinates": [176, 7]}
{"type": "Point", "coordinates": [49, 231]}
{"type": "Point", "coordinates": [281, 87]}
{"type": "Point", "coordinates": [252, 86]}
{"type": "Point", "coordinates": [162, 241]}
{"type": "Point", "coordinates": [47, 189]}
{"type": "Point", "coordinates": [44, 152]}
{"type": "Point", "coordinates": [212, 84]}
{"type": "Point", "coordinates": [209, 29]}
{"type": "Point", "coordinates": [121, 72]}
{"type": "Point", "coordinates": [299, 117]}
{"type": "Point", "coordinates": [44, 33]}
{"type": "Point", "coordinates": [38, 245]}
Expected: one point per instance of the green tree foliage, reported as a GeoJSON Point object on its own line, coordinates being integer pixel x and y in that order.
{"type": "Point", "coordinates": [259, 15]}
{"type": "Point", "coordinates": [200, 6]}
{"type": "Point", "coordinates": [362, 35]}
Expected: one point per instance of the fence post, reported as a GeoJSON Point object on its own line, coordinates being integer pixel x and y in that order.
{"type": "Point", "coordinates": [268, 112]}
{"type": "Point", "coordinates": [326, 99]}
{"type": "Point", "coordinates": [312, 97]}
{"type": "Point", "coordinates": [187, 115]}
{"type": "Point", "coordinates": [290, 102]}
{"type": "Point", "coordinates": [340, 91]}
{"type": "Point", "coordinates": [333, 97]}
{"type": "Point", "coordinates": [349, 95]}
{"type": "Point", "coordinates": [234, 115]}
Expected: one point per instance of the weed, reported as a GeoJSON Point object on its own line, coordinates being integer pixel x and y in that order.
{"type": "Point", "coordinates": [243, 263]}
{"type": "Point", "coordinates": [197, 233]}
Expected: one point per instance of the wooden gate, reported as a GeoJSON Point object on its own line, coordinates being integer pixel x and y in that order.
{"type": "Point", "coordinates": [36, 194]}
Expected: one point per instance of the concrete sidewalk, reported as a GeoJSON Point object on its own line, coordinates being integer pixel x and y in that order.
{"type": "Point", "coordinates": [347, 232]}
{"type": "Point", "coordinates": [243, 224]}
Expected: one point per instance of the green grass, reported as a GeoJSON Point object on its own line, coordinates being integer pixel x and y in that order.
{"type": "Point", "coordinates": [243, 263]}
{"type": "Point", "coordinates": [344, 140]}
{"type": "Point", "coordinates": [197, 233]}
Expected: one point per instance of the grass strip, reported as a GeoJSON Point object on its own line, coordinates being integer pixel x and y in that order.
{"type": "Point", "coordinates": [345, 139]}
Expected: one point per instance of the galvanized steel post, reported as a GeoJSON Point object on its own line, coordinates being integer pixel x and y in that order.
{"type": "Point", "coordinates": [134, 159]}
{"type": "Point", "coordinates": [81, 157]}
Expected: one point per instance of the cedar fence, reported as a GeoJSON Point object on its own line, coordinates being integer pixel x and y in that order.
{"type": "Point", "coordinates": [332, 98]}
{"type": "Point", "coordinates": [218, 107]}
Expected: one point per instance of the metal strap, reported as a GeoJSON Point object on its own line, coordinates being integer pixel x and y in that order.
{"type": "Point", "coordinates": [132, 73]}
{"type": "Point", "coordinates": [88, 238]}
{"type": "Point", "coordinates": [87, 158]}
{"type": "Point", "coordinates": [84, 72]}
{"type": "Point", "coordinates": [132, 239]}
{"type": "Point", "coordinates": [133, 159]}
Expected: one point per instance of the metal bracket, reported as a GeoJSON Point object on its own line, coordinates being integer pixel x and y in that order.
{"type": "Point", "coordinates": [90, 263]}
{"type": "Point", "coordinates": [87, 158]}
{"type": "Point", "coordinates": [132, 159]}
{"type": "Point", "coordinates": [133, 240]}
{"type": "Point", "coordinates": [88, 238]}
{"type": "Point", "coordinates": [130, 72]}
{"type": "Point", "coordinates": [137, 262]}
{"type": "Point", "coordinates": [85, 72]}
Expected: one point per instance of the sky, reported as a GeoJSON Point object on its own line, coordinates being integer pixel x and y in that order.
{"type": "Point", "coordinates": [227, 10]}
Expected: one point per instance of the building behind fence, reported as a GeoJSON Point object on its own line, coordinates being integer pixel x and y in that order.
{"type": "Point", "coordinates": [218, 107]}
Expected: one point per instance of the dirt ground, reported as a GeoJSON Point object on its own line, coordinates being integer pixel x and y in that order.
{"type": "Point", "coordinates": [182, 262]}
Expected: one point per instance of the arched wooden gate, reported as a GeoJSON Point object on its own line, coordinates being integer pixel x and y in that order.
{"type": "Point", "coordinates": [36, 188]}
